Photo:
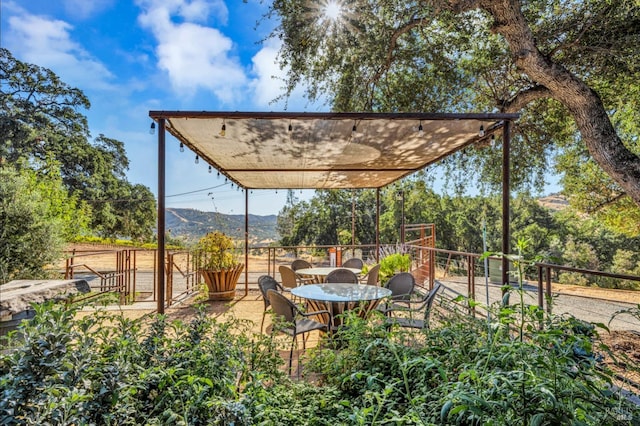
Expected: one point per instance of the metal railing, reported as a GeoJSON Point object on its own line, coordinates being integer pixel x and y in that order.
{"type": "Point", "coordinates": [428, 264]}
{"type": "Point", "coordinates": [545, 272]}
{"type": "Point", "coordinates": [121, 279]}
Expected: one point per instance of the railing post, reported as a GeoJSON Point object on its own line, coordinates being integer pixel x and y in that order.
{"type": "Point", "coordinates": [548, 292]}
{"type": "Point", "coordinates": [471, 282]}
{"type": "Point", "coordinates": [540, 288]}
{"type": "Point", "coordinates": [134, 272]}
{"type": "Point", "coordinates": [169, 278]}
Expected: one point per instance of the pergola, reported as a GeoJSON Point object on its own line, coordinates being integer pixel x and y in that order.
{"type": "Point", "coordinates": [297, 150]}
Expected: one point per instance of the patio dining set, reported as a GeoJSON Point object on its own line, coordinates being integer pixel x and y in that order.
{"type": "Point", "coordinates": [329, 292]}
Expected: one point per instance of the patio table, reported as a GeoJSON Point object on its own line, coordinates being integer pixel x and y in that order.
{"type": "Point", "coordinates": [340, 297]}
{"type": "Point", "coordinates": [319, 274]}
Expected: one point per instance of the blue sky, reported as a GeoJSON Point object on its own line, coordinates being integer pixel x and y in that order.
{"type": "Point", "coordinates": [130, 57]}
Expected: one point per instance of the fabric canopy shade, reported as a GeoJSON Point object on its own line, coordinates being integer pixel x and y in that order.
{"type": "Point", "coordinates": [324, 150]}
{"type": "Point", "coordinates": [262, 150]}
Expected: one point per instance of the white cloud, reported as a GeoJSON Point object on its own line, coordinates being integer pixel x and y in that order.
{"type": "Point", "coordinates": [83, 9]}
{"type": "Point", "coordinates": [188, 10]}
{"type": "Point", "coordinates": [47, 42]}
{"type": "Point", "coordinates": [268, 83]}
{"type": "Point", "coordinates": [194, 56]}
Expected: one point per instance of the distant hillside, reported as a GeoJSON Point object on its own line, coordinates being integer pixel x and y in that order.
{"type": "Point", "coordinates": [191, 224]}
{"type": "Point", "coordinates": [555, 202]}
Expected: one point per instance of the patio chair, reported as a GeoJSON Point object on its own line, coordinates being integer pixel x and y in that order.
{"type": "Point", "coordinates": [290, 279]}
{"type": "Point", "coordinates": [290, 320]}
{"type": "Point", "coordinates": [422, 307]}
{"type": "Point", "coordinates": [266, 283]}
{"type": "Point", "coordinates": [354, 263]}
{"type": "Point", "coordinates": [371, 277]}
{"type": "Point", "coordinates": [401, 286]}
{"type": "Point", "coordinates": [341, 275]}
{"type": "Point", "coordinates": [300, 264]}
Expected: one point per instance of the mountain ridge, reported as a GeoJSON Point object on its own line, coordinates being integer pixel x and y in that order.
{"type": "Point", "coordinates": [191, 224]}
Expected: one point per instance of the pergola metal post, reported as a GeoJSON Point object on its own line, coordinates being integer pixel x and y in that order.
{"type": "Point", "coordinates": [400, 197]}
{"type": "Point", "coordinates": [377, 225]}
{"type": "Point", "coordinates": [246, 241]}
{"type": "Point", "coordinates": [161, 215]}
{"type": "Point", "coordinates": [506, 195]}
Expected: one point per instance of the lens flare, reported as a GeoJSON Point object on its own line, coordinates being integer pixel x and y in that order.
{"type": "Point", "coordinates": [332, 10]}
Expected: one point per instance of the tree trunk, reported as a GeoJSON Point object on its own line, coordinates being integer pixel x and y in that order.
{"type": "Point", "coordinates": [586, 107]}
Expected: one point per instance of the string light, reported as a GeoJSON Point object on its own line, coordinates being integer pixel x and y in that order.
{"type": "Point", "coordinates": [420, 129]}
{"type": "Point", "coordinates": [481, 132]}
{"type": "Point", "coordinates": [209, 169]}
{"type": "Point", "coordinates": [290, 127]}
{"type": "Point", "coordinates": [181, 147]}
{"type": "Point", "coordinates": [223, 130]}
{"type": "Point", "coordinates": [354, 128]}
{"type": "Point", "coordinates": [152, 129]}
{"type": "Point", "coordinates": [197, 159]}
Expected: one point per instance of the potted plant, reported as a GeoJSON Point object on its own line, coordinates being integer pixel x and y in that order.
{"type": "Point", "coordinates": [218, 264]}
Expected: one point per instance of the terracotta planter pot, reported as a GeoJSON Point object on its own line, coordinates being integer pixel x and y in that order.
{"type": "Point", "coordinates": [221, 284]}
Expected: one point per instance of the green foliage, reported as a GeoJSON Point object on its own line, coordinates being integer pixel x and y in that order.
{"type": "Point", "coordinates": [216, 251]}
{"type": "Point", "coordinates": [393, 263]}
{"type": "Point", "coordinates": [326, 217]}
{"type": "Point", "coordinates": [464, 371]}
{"type": "Point", "coordinates": [73, 215]}
{"type": "Point", "coordinates": [106, 369]}
{"type": "Point", "coordinates": [31, 229]}
{"type": "Point", "coordinates": [102, 368]}
{"type": "Point", "coordinates": [42, 128]}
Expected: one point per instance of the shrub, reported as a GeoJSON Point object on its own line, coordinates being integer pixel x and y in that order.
{"type": "Point", "coordinates": [393, 263]}
{"type": "Point", "coordinates": [106, 369]}
{"type": "Point", "coordinates": [30, 235]}
{"type": "Point", "coordinates": [468, 372]}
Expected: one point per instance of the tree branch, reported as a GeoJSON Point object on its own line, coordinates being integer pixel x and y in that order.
{"type": "Point", "coordinates": [413, 23]}
{"type": "Point", "coordinates": [607, 202]}
{"type": "Point", "coordinates": [523, 98]}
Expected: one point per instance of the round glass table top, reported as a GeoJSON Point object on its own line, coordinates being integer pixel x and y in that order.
{"type": "Point", "coordinates": [324, 270]}
{"type": "Point", "coordinates": [339, 292]}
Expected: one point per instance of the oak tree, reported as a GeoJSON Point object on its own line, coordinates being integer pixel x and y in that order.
{"type": "Point", "coordinates": [569, 67]}
{"type": "Point", "coordinates": [42, 125]}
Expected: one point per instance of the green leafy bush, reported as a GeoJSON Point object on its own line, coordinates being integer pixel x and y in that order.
{"type": "Point", "coordinates": [107, 370]}
{"type": "Point", "coordinates": [393, 263]}
{"type": "Point", "coordinates": [467, 371]}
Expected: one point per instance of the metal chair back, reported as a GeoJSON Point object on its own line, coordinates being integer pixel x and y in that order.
{"type": "Point", "coordinates": [401, 286]}
{"type": "Point", "coordinates": [300, 264]}
{"type": "Point", "coordinates": [341, 276]}
{"type": "Point", "coordinates": [266, 283]}
{"type": "Point", "coordinates": [283, 307]}
{"type": "Point", "coordinates": [354, 263]}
